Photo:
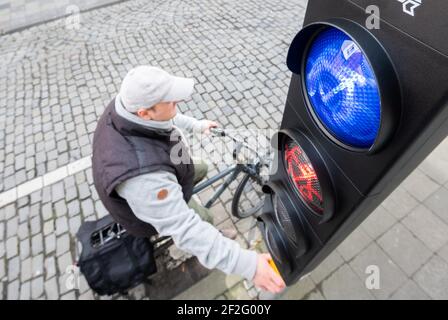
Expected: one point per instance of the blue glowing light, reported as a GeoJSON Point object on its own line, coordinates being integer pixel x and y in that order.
{"type": "Point", "coordinates": [342, 89]}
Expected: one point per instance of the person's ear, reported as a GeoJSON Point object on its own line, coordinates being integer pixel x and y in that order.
{"type": "Point", "coordinates": [145, 114]}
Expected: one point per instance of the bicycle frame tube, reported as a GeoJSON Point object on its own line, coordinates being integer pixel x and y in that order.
{"type": "Point", "coordinates": [214, 179]}
{"type": "Point", "coordinates": [233, 171]}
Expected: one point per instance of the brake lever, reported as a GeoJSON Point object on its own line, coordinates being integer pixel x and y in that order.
{"type": "Point", "coordinates": [219, 132]}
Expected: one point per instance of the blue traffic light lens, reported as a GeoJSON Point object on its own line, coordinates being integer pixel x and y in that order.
{"type": "Point", "coordinates": [342, 89]}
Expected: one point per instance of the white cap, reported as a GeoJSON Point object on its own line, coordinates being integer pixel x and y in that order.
{"type": "Point", "coordinates": [145, 86]}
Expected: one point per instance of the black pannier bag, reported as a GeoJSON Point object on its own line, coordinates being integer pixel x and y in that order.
{"type": "Point", "coordinates": [112, 260]}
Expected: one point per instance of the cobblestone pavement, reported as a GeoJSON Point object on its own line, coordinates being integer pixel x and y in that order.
{"type": "Point", "coordinates": [56, 81]}
{"type": "Point", "coordinates": [18, 14]}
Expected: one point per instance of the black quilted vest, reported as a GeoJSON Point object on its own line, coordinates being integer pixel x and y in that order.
{"type": "Point", "coordinates": [122, 150]}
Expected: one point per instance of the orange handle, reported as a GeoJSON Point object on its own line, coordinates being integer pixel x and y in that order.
{"type": "Point", "coordinates": [272, 264]}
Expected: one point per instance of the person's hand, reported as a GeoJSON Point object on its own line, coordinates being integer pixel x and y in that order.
{"type": "Point", "coordinates": [207, 125]}
{"type": "Point", "coordinates": [265, 277]}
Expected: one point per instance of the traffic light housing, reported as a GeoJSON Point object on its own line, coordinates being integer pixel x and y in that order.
{"type": "Point", "coordinates": [364, 108]}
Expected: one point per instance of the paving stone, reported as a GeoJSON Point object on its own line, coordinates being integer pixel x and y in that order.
{"type": "Point", "coordinates": [47, 211]}
{"type": "Point", "coordinates": [61, 225]}
{"type": "Point", "coordinates": [50, 267]}
{"type": "Point", "coordinates": [378, 222]}
{"type": "Point", "coordinates": [10, 211]}
{"type": "Point", "coordinates": [73, 208]}
{"type": "Point", "coordinates": [429, 228]}
{"type": "Point", "coordinates": [11, 194]}
{"type": "Point", "coordinates": [346, 285]}
{"type": "Point", "coordinates": [35, 225]}
{"type": "Point", "coordinates": [25, 248]}
{"type": "Point", "coordinates": [64, 261]}
{"type": "Point", "coordinates": [26, 272]}
{"type": "Point", "coordinates": [74, 224]}
{"type": "Point", "coordinates": [69, 296]}
{"type": "Point", "coordinates": [438, 203]}
{"type": "Point", "coordinates": [354, 243]}
{"type": "Point", "coordinates": [37, 265]}
{"type": "Point", "coordinates": [410, 291]}
{"type": "Point", "coordinates": [100, 210]}
{"type": "Point", "coordinates": [86, 296]}
{"type": "Point", "coordinates": [391, 276]}
{"type": "Point", "coordinates": [13, 290]}
{"type": "Point", "coordinates": [25, 291]}
{"type": "Point", "coordinates": [330, 264]}
{"type": "Point", "coordinates": [57, 191]}
{"type": "Point", "coordinates": [2, 269]}
{"type": "Point", "coordinates": [13, 268]}
{"type": "Point", "coordinates": [315, 295]}
{"type": "Point", "coordinates": [24, 212]}
{"type": "Point", "coordinates": [12, 247]}
{"type": "Point", "coordinates": [434, 166]}
{"type": "Point", "coordinates": [51, 289]}
{"type": "Point", "coordinates": [71, 193]}
{"type": "Point", "coordinates": [419, 185]}
{"type": "Point", "coordinates": [34, 209]}
{"type": "Point", "coordinates": [48, 227]}
{"type": "Point", "coordinates": [46, 194]}
{"type": "Point", "coordinates": [60, 208]}
{"type": "Point", "coordinates": [36, 244]}
{"type": "Point", "coordinates": [62, 244]}
{"type": "Point", "coordinates": [11, 227]}
{"type": "Point", "coordinates": [400, 203]}
{"type": "Point", "coordinates": [299, 290]}
{"type": "Point", "coordinates": [214, 284]}
{"type": "Point", "coordinates": [80, 177]}
{"type": "Point", "coordinates": [20, 177]}
{"type": "Point", "coordinates": [69, 182]}
{"type": "Point", "coordinates": [23, 231]}
{"type": "Point", "coordinates": [87, 208]}
{"type": "Point", "coordinates": [432, 278]}
{"type": "Point", "coordinates": [443, 252]}
{"type": "Point", "coordinates": [37, 287]}
{"type": "Point", "coordinates": [227, 224]}
{"type": "Point", "coordinates": [405, 249]}
{"type": "Point", "coordinates": [50, 243]}
{"type": "Point", "coordinates": [245, 225]}
{"type": "Point", "coordinates": [219, 213]}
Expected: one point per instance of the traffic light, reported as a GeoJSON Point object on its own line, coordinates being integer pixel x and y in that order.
{"type": "Point", "coordinates": [364, 108]}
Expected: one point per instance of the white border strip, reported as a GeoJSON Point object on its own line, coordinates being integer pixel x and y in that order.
{"type": "Point", "coordinates": [47, 179]}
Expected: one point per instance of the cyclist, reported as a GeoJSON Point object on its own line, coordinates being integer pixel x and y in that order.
{"type": "Point", "coordinates": [148, 192]}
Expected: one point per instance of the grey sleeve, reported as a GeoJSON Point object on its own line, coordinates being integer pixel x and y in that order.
{"type": "Point", "coordinates": [187, 123]}
{"type": "Point", "coordinates": [171, 216]}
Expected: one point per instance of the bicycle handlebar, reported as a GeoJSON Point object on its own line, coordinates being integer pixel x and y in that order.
{"type": "Point", "coordinates": [218, 132]}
